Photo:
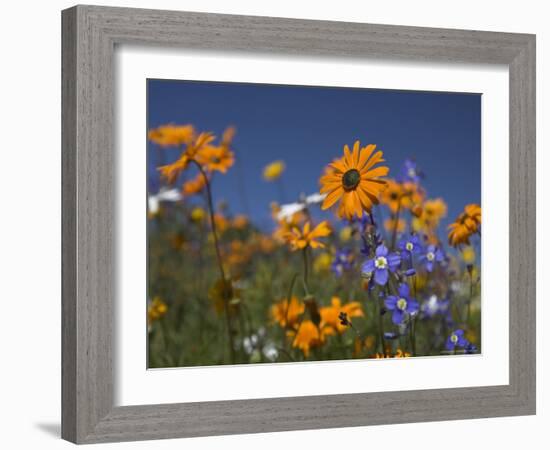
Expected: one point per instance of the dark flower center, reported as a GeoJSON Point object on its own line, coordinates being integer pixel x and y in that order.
{"type": "Point", "coordinates": [351, 179]}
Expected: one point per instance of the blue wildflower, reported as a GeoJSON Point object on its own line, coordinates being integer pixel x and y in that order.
{"type": "Point", "coordinates": [401, 305]}
{"type": "Point", "coordinates": [431, 255]}
{"type": "Point", "coordinates": [410, 172]}
{"type": "Point", "coordinates": [381, 265]}
{"type": "Point", "coordinates": [456, 339]}
{"type": "Point", "coordinates": [343, 261]}
{"type": "Point", "coordinates": [409, 245]}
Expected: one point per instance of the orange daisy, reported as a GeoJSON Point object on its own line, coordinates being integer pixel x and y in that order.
{"type": "Point", "coordinates": [466, 224]}
{"type": "Point", "coordinates": [172, 135]}
{"type": "Point", "coordinates": [329, 314]}
{"type": "Point", "coordinates": [307, 237]}
{"type": "Point", "coordinates": [288, 314]}
{"type": "Point", "coordinates": [354, 180]}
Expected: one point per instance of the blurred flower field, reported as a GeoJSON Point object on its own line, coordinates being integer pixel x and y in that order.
{"type": "Point", "coordinates": [362, 268]}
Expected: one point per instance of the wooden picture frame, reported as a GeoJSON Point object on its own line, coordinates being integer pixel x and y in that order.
{"type": "Point", "coordinates": [90, 34]}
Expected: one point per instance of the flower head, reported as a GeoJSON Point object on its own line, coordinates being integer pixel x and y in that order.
{"type": "Point", "coordinates": [330, 315]}
{"type": "Point", "coordinates": [381, 265]}
{"type": "Point", "coordinates": [433, 210]}
{"type": "Point", "coordinates": [456, 339]}
{"type": "Point", "coordinates": [354, 180]}
{"type": "Point", "coordinates": [307, 237]}
{"type": "Point", "coordinates": [410, 172]}
{"type": "Point", "coordinates": [309, 336]}
{"type": "Point", "coordinates": [156, 310]}
{"type": "Point", "coordinates": [401, 305]}
{"type": "Point", "coordinates": [172, 135]}
{"type": "Point", "coordinates": [343, 261]}
{"type": "Point", "coordinates": [216, 158]}
{"type": "Point", "coordinates": [287, 314]}
{"type": "Point", "coordinates": [409, 245]}
{"type": "Point", "coordinates": [273, 170]}
{"type": "Point", "coordinates": [432, 255]}
{"type": "Point", "coordinates": [465, 225]}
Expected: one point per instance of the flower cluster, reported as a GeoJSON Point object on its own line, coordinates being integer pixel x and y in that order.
{"type": "Point", "coordinates": [357, 269]}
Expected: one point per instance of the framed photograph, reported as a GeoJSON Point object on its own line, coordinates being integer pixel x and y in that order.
{"type": "Point", "coordinates": [277, 224]}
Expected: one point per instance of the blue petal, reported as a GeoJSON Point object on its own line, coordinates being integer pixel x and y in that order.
{"type": "Point", "coordinates": [449, 344]}
{"type": "Point", "coordinates": [390, 301]}
{"type": "Point", "coordinates": [459, 333]}
{"type": "Point", "coordinates": [393, 261]}
{"type": "Point", "coordinates": [397, 316]}
{"type": "Point", "coordinates": [403, 290]}
{"type": "Point", "coordinates": [381, 250]}
{"type": "Point", "coordinates": [381, 276]}
{"type": "Point", "coordinates": [412, 306]}
{"type": "Point", "coordinates": [429, 266]}
{"type": "Point", "coordinates": [368, 267]}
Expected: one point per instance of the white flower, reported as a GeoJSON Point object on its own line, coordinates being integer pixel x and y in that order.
{"type": "Point", "coordinates": [164, 195]}
{"type": "Point", "coordinates": [288, 210]}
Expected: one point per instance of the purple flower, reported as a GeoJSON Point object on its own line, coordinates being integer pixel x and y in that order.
{"type": "Point", "coordinates": [409, 245]}
{"type": "Point", "coordinates": [381, 265]}
{"type": "Point", "coordinates": [401, 305]}
{"type": "Point", "coordinates": [456, 339]}
{"type": "Point", "coordinates": [431, 255]}
{"type": "Point", "coordinates": [342, 261]}
{"type": "Point", "coordinates": [410, 172]}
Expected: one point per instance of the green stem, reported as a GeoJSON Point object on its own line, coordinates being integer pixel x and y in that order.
{"type": "Point", "coordinates": [219, 259]}
{"type": "Point", "coordinates": [306, 270]}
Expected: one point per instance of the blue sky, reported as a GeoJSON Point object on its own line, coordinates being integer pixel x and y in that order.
{"type": "Point", "coordinates": [307, 127]}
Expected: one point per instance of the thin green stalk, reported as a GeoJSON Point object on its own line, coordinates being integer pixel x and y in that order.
{"type": "Point", "coordinates": [219, 259]}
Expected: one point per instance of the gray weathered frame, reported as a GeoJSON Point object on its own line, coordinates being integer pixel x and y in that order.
{"type": "Point", "coordinates": [90, 34]}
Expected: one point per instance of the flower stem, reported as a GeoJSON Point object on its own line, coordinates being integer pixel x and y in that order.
{"type": "Point", "coordinates": [306, 270]}
{"type": "Point", "coordinates": [219, 259]}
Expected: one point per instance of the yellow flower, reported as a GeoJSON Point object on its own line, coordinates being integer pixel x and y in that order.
{"type": "Point", "coordinates": [354, 181]}
{"type": "Point", "coordinates": [391, 196]}
{"type": "Point", "coordinates": [287, 315]}
{"type": "Point", "coordinates": [309, 336]}
{"type": "Point", "coordinates": [240, 221]}
{"type": "Point", "coordinates": [433, 210]}
{"type": "Point", "coordinates": [390, 224]}
{"type": "Point", "coordinates": [465, 225]}
{"type": "Point", "coordinates": [198, 214]}
{"type": "Point", "coordinates": [156, 309]}
{"type": "Point", "coordinates": [223, 291]}
{"type": "Point", "coordinates": [398, 354]}
{"type": "Point", "coordinates": [345, 234]}
{"type": "Point", "coordinates": [194, 185]}
{"type": "Point", "coordinates": [322, 262]}
{"type": "Point", "coordinates": [468, 255]}
{"type": "Point", "coordinates": [329, 314]}
{"type": "Point", "coordinates": [274, 170]}
{"type": "Point", "coordinates": [307, 237]}
{"type": "Point", "coordinates": [172, 135]}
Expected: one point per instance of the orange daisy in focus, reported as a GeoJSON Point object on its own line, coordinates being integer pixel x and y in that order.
{"type": "Point", "coordinates": [299, 240]}
{"type": "Point", "coordinates": [354, 180]}
{"type": "Point", "coordinates": [465, 225]}
{"type": "Point", "coordinates": [329, 314]}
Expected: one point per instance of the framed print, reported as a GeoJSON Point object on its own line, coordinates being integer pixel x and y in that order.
{"type": "Point", "coordinates": [277, 224]}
